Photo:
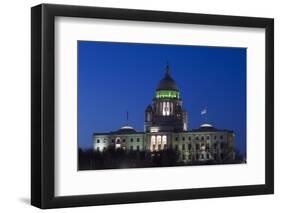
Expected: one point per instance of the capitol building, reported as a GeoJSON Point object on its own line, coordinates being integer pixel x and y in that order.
{"type": "Point", "coordinates": [166, 126]}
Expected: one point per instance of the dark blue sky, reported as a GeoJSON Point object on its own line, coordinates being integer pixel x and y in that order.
{"type": "Point", "coordinates": [117, 77]}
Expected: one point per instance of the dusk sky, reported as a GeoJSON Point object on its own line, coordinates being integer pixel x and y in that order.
{"type": "Point", "coordinates": [117, 77]}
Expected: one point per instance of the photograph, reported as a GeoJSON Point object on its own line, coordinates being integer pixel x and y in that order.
{"type": "Point", "coordinates": [160, 105]}
{"type": "Point", "coordinates": [149, 105]}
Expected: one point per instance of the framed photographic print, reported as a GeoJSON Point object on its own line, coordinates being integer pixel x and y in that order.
{"type": "Point", "coordinates": [139, 106]}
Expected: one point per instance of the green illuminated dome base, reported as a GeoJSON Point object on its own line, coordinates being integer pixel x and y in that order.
{"type": "Point", "coordinates": [167, 94]}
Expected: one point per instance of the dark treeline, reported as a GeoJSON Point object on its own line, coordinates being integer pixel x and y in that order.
{"type": "Point", "coordinates": [118, 159]}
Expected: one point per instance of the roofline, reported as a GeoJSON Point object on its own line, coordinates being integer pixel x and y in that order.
{"type": "Point", "coordinates": [116, 133]}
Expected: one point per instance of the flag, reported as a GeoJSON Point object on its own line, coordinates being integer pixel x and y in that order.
{"type": "Point", "coordinates": [204, 111]}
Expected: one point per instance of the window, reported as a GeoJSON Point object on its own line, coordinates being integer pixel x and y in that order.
{"type": "Point", "coordinates": [159, 139]}
{"type": "Point", "coordinates": [202, 156]}
{"type": "Point", "coordinates": [104, 140]}
{"type": "Point", "coordinates": [215, 156]}
{"type": "Point", "coordinates": [164, 139]}
{"type": "Point", "coordinates": [176, 147]}
{"type": "Point", "coordinates": [183, 156]}
{"type": "Point", "coordinates": [189, 157]}
{"type": "Point", "coordinates": [183, 147]}
{"type": "Point", "coordinates": [197, 156]}
{"type": "Point", "coordinates": [221, 137]}
{"type": "Point", "coordinates": [112, 140]}
{"type": "Point", "coordinates": [138, 140]}
{"type": "Point", "coordinates": [104, 148]}
{"type": "Point", "coordinates": [189, 138]}
{"type": "Point", "coordinates": [165, 146]}
{"type": "Point", "coordinates": [197, 138]}
{"type": "Point", "coordinates": [153, 139]}
{"type": "Point", "coordinates": [183, 138]}
{"type": "Point", "coordinates": [207, 146]}
{"type": "Point", "coordinates": [215, 137]}
{"type": "Point", "coordinates": [208, 137]}
{"type": "Point", "coordinates": [132, 140]}
{"type": "Point", "coordinates": [189, 146]}
{"type": "Point", "coordinates": [124, 140]}
{"type": "Point", "coordinates": [138, 148]}
{"type": "Point", "coordinates": [197, 146]}
{"type": "Point", "coordinates": [176, 138]}
{"type": "Point", "coordinates": [98, 140]}
{"type": "Point", "coordinates": [164, 108]}
{"type": "Point", "coordinates": [208, 156]}
{"type": "Point", "coordinates": [215, 145]}
{"type": "Point", "coordinates": [202, 138]}
{"type": "Point", "coordinates": [168, 108]}
{"type": "Point", "coordinates": [118, 140]}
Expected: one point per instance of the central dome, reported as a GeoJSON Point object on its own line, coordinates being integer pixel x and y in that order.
{"type": "Point", "coordinates": [167, 83]}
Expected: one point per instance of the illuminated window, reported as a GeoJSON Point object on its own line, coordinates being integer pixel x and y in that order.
{"type": "Point", "coordinates": [153, 139]}
{"type": "Point", "coordinates": [168, 108]}
{"type": "Point", "coordinates": [158, 139]}
{"type": "Point", "coordinates": [164, 139]}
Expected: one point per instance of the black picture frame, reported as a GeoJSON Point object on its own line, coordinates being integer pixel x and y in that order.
{"type": "Point", "coordinates": [43, 111]}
